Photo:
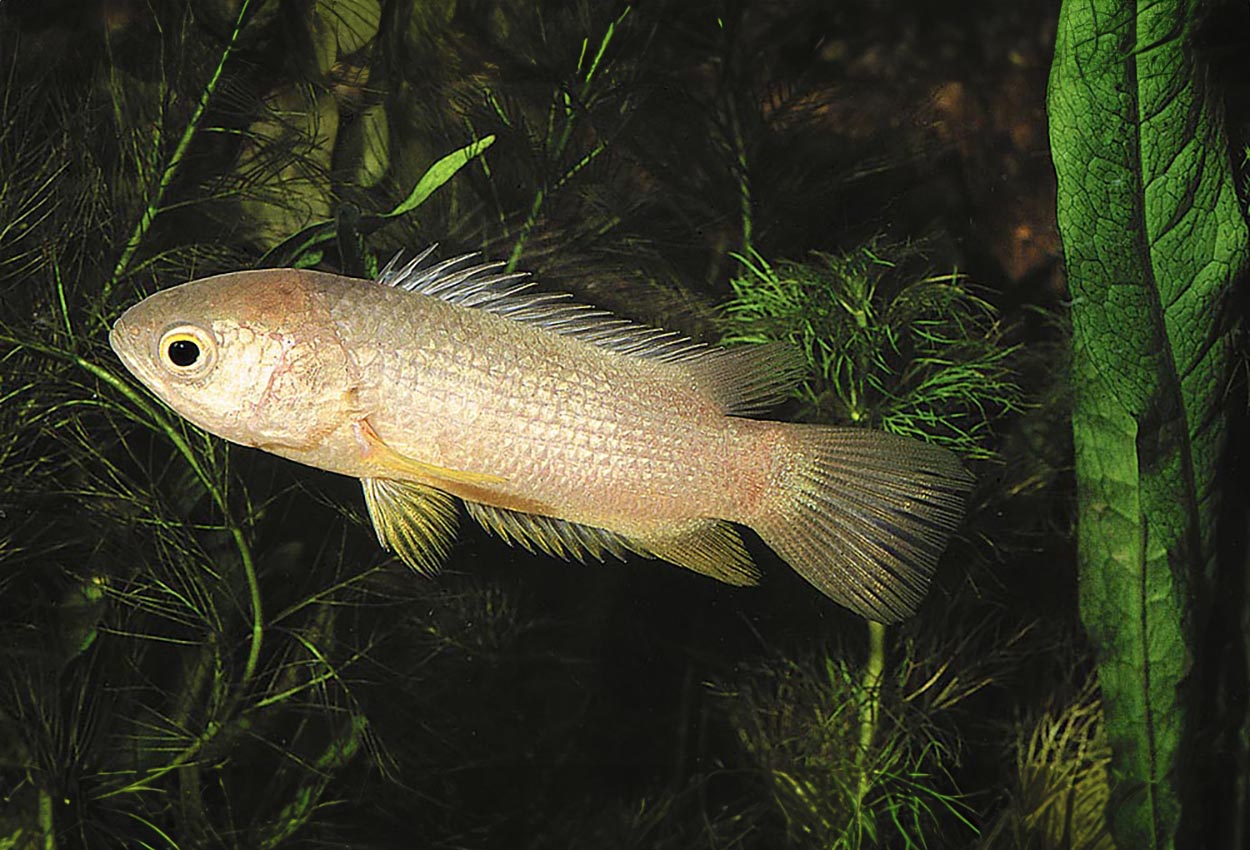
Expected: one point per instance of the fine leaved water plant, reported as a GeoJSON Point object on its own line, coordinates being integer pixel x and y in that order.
{"type": "Point", "coordinates": [914, 354]}
{"type": "Point", "coordinates": [163, 651]}
{"type": "Point", "coordinates": [1154, 239]}
{"type": "Point", "coordinates": [1058, 797]}
{"type": "Point", "coordinates": [918, 355]}
{"type": "Point", "coordinates": [801, 723]}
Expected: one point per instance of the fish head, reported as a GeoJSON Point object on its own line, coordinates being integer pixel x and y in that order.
{"type": "Point", "coordinates": [253, 357]}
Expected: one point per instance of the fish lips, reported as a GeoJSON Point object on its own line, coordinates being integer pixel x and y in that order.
{"type": "Point", "coordinates": [127, 343]}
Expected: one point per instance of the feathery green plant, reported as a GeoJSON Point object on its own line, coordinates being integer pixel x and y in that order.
{"type": "Point", "coordinates": [1059, 794]}
{"type": "Point", "coordinates": [562, 122]}
{"type": "Point", "coordinates": [566, 135]}
{"type": "Point", "coordinates": [160, 182]}
{"type": "Point", "coordinates": [801, 723]}
{"type": "Point", "coordinates": [920, 356]}
{"type": "Point", "coordinates": [924, 357]}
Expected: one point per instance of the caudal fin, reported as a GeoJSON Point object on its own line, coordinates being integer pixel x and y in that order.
{"type": "Point", "coordinates": [864, 515]}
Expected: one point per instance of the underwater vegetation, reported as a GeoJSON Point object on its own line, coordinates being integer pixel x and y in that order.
{"type": "Point", "coordinates": [1155, 243]}
{"type": "Point", "coordinates": [203, 646]}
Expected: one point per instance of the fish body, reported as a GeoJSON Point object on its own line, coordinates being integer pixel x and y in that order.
{"type": "Point", "coordinates": [560, 428]}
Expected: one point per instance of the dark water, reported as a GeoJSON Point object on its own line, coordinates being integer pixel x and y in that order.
{"type": "Point", "coordinates": [204, 645]}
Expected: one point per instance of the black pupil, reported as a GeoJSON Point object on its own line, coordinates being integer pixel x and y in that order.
{"type": "Point", "coordinates": [183, 352]}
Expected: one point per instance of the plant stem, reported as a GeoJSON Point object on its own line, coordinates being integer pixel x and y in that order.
{"type": "Point", "coordinates": [153, 207]}
{"type": "Point", "coordinates": [46, 826]}
{"type": "Point", "coordinates": [870, 701]}
{"type": "Point", "coordinates": [566, 135]}
{"type": "Point", "coordinates": [744, 178]}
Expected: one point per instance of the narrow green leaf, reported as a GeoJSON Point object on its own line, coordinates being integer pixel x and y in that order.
{"type": "Point", "coordinates": [174, 164]}
{"type": "Point", "coordinates": [439, 173]}
{"type": "Point", "coordinates": [301, 248]}
{"type": "Point", "coordinates": [1153, 236]}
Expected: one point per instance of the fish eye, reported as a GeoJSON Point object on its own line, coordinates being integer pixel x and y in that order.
{"type": "Point", "coordinates": [187, 350]}
{"type": "Point", "coordinates": [183, 352]}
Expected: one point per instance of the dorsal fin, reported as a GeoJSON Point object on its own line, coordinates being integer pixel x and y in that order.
{"type": "Point", "coordinates": [748, 378]}
{"type": "Point", "coordinates": [513, 296]}
{"type": "Point", "coordinates": [743, 380]}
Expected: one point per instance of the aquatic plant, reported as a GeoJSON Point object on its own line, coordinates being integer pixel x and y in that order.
{"type": "Point", "coordinates": [914, 354]}
{"type": "Point", "coordinates": [1154, 240]}
{"type": "Point", "coordinates": [1058, 798]}
{"type": "Point", "coordinates": [801, 722]}
{"type": "Point", "coordinates": [203, 648]}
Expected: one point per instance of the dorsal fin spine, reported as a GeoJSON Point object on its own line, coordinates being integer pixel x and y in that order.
{"type": "Point", "coordinates": [742, 380]}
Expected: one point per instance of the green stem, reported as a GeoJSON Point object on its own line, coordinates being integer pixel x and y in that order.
{"type": "Point", "coordinates": [218, 496]}
{"type": "Point", "coordinates": [870, 705]}
{"type": "Point", "coordinates": [191, 797]}
{"type": "Point", "coordinates": [184, 757]}
{"type": "Point", "coordinates": [253, 590]}
{"type": "Point", "coordinates": [565, 137]}
{"type": "Point", "coordinates": [744, 180]}
{"type": "Point", "coordinates": [153, 207]}
{"type": "Point", "coordinates": [46, 823]}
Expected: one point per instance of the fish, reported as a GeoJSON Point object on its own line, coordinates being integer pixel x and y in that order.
{"type": "Point", "coordinates": [561, 428]}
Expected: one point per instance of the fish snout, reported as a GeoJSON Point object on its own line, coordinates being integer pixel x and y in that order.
{"type": "Point", "coordinates": [115, 335]}
{"type": "Point", "coordinates": [122, 337]}
{"type": "Point", "coordinates": [126, 340]}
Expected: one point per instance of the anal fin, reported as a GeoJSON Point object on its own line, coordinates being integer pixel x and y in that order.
{"type": "Point", "coordinates": [557, 537]}
{"type": "Point", "coordinates": [412, 520]}
{"type": "Point", "coordinates": [713, 548]}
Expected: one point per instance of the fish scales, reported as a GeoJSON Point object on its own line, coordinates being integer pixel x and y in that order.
{"type": "Point", "coordinates": [600, 437]}
{"type": "Point", "coordinates": [563, 429]}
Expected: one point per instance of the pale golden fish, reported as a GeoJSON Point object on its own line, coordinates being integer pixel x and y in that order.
{"type": "Point", "coordinates": [561, 428]}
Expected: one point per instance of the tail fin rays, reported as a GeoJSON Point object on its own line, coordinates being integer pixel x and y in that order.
{"type": "Point", "coordinates": [865, 515]}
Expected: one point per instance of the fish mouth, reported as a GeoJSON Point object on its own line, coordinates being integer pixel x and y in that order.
{"type": "Point", "coordinates": [115, 337]}
{"type": "Point", "coordinates": [125, 342]}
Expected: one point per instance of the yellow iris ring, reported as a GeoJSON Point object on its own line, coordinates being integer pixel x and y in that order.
{"type": "Point", "coordinates": [203, 341]}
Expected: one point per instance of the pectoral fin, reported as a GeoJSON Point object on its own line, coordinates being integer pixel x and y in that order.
{"type": "Point", "coordinates": [402, 466]}
{"type": "Point", "coordinates": [412, 520]}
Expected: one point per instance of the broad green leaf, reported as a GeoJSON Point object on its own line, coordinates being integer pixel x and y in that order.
{"type": "Point", "coordinates": [1153, 237]}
